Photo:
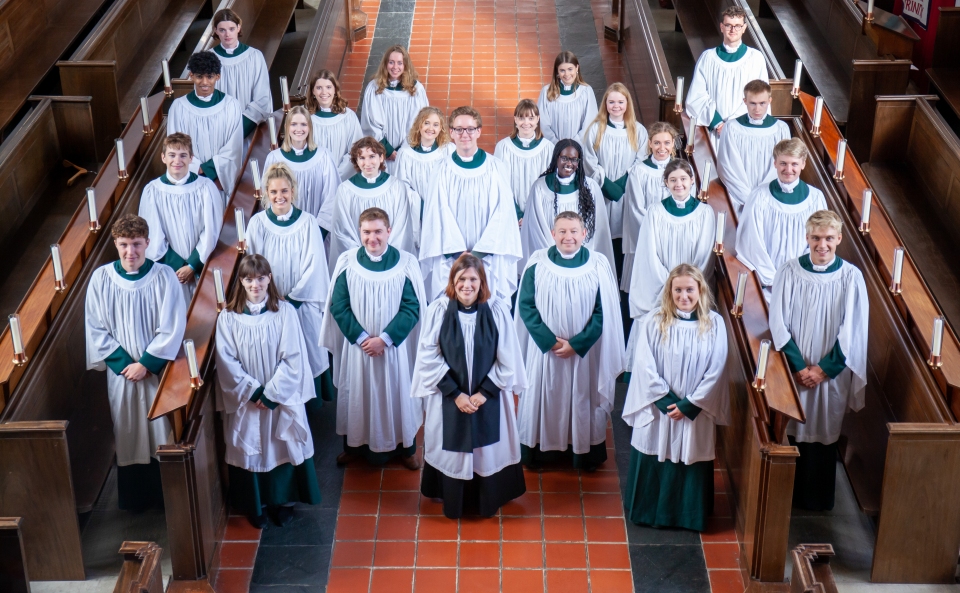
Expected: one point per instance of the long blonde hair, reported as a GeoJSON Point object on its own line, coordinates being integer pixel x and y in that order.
{"type": "Point", "coordinates": [629, 117]}
{"type": "Point", "coordinates": [408, 80]}
{"type": "Point", "coordinates": [564, 57]}
{"type": "Point", "coordinates": [443, 138]}
{"type": "Point", "coordinates": [666, 316]}
{"type": "Point", "coordinates": [278, 171]}
{"type": "Point", "coordinates": [298, 110]}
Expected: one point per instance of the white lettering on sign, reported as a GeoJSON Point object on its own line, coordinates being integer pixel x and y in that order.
{"type": "Point", "coordinates": [918, 10]}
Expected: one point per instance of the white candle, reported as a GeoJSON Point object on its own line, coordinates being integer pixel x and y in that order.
{"type": "Point", "coordinates": [284, 90]}
{"type": "Point", "coordinates": [166, 73]}
{"type": "Point", "coordinates": [741, 289]}
{"type": "Point", "coordinates": [762, 362]}
{"type": "Point", "coordinates": [841, 156]}
{"type": "Point", "coordinates": [705, 180]}
{"type": "Point", "coordinates": [867, 203]}
{"type": "Point", "coordinates": [218, 285]}
{"type": "Point", "coordinates": [679, 91]}
{"type": "Point", "coordinates": [256, 173]}
{"type": "Point", "coordinates": [817, 112]}
{"type": "Point", "coordinates": [92, 205]}
{"type": "Point", "coordinates": [121, 160]}
{"type": "Point", "coordinates": [57, 263]}
{"type": "Point", "coordinates": [145, 113]}
{"type": "Point", "coordinates": [693, 130]}
{"type": "Point", "coordinates": [869, 6]}
{"type": "Point", "coordinates": [897, 265]}
{"type": "Point", "coordinates": [15, 334]}
{"type": "Point", "coordinates": [191, 353]}
{"type": "Point", "coordinates": [241, 232]}
{"type": "Point", "coordinates": [272, 126]}
{"type": "Point", "coordinates": [797, 73]}
{"type": "Point", "coordinates": [937, 336]}
{"type": "Point", "coordinates": [721, 218]}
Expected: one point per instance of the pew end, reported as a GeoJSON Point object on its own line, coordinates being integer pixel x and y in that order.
{"type": "Point", "coordinates": [141, 568]}
{"type": "Point", "coordinates": [811, 569]}
{"type": "Point", "coordinates": [14, 577]}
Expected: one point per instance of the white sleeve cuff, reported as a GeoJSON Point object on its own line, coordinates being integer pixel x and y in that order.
{"type": "Point", "coordinates": [363, 338]}
{"type": "Point", "coordinates": [386, 339]}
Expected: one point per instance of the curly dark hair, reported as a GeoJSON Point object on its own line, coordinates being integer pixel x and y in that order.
{"type": "Point", "coordinates": [586, 207]}
{"type": "Point", "coordinates": [204, 63]}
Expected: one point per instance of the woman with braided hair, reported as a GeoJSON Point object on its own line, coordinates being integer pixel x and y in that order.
{"type": "Point", "coordinates": [565, 187]}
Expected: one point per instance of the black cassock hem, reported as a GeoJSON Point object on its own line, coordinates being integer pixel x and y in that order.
{"type": "Point", "coordinates": [139, 487]}
{"type": "Point", "coordinates": [483, 495]}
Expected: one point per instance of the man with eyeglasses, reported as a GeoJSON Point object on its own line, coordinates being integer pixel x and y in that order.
{"type": "Point", "coordinates": [470, 208]}
{"type": "Point", "coordinates": [716, 92]}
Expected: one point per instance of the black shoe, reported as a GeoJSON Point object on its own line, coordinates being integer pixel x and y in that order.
{"type": "Point", "coordinates": [284, 515]}
{"type": "Point", "coordinates": [260, 521]}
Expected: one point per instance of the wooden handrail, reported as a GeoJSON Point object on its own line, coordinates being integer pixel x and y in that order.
{"type": "Point", "coordinates": [916, 304]}
{"type": "Point", "coordinates": [42, 301]}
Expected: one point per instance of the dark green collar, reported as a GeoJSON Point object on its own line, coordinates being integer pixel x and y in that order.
{"type": "Point", "coordinates": [360, 181]}
{"type": "Point", "coordinates": [190, 179]}
{"type": "Point", "coordinates": [693, 316]}
{"type": "Point", "coordinates": [299, 158]}
{"type": "Point", "coordinates": [689, 206]}
{"type": "Point", "coordinates": [573, 89]}
{"type": "Point", "coordinates": [325, 114]}
{"type": "Point", "coordinates": [399, 87]}
{"type": "Point", "coordinates": [293, 217]}
{"type": "Point", "coordinates": [197, 102]}
{"type": "Point", "coordinates": [799, 194]}
{"type": "Point", "coordinates": [610, 124]}
{"type": "Point", "coordinates": [390, 258]}
{"type": "Point", "coordinates": [554, 184]}
{"type": "Point", "coordinates": [144, 269]}
{"type": "Point", "coordinates": [807, 265]}
{"type": "Point", "coordinates": [419, 148]}
{"type": "Point", "coordinates": [533, 143]}
{"type": "Point", "coordinates": [241, 47]}
{"type": "Point", "coordinates": [726, 56]}
{"type": "Point", "coordinates": [768, 121]}
{"type": "Point", "coordinates": [649, 162]}
{"type": "Point", "coordinates": [478, 158]}
{"type": "Point", "coordinates": [582, 257]}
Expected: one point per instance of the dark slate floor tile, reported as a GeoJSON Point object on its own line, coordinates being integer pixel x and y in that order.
{"type": "Point", "coordinates": [395, 6]}
{"type": "Point", "coordinates": [641, 534]}
{"type": "Point", "coordinates": [292, 565]}
{"type": "Point", "coordinates": [309, 527]}
{"type": "Point", "coordinates": [669, 569]}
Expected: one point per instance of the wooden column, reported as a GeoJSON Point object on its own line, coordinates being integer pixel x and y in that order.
{"type": "Point", "coordinates": [13, 559]}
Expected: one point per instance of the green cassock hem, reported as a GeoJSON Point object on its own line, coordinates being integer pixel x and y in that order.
{"type": "Point", "coordinates": [325, 390]}
{"type": "Point", "coordinates": [815, 480]}
{"type": "Point", "coordinates": [286, 483]}
{"type": "Point", "coordinates": [668, 494]}
{"type": "Point", "coordinates": [374, 458]}
{"type": "Point", "coordinates": [589, 460]}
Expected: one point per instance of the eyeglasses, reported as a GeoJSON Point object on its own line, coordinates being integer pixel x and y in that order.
{"type": "Point", "coordinates": [729, 27]}
{"type": "Point", "coordinates": [467, 131]}
{"type": "Point", "coordinates": [569, 161]}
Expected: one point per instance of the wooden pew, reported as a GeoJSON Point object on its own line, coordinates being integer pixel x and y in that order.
{"type": "Point", "coordinates": [843, 57]}
{"type": "Point", "coordinates": [119, 61]}
{"type": "Point", "coordinates": [811, 569]}
{"type": "Point", "coordinates": [14, 576]}
{"type": "Point", "coordinates": [645, 66]}
{"type": "Point", "coordinates": [57, 416]}
{"type": "Point", "coordinates": [141, 568]}
{"type": "Point", "coordinates": [33, 36]}
{"type": "Point", "coordinates": [944, 70]}
{"type": "Point", "coordinates": [326, 47]}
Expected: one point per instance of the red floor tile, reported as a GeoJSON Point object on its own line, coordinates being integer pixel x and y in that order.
{"type": "Point", "coordinates": [722, 555]}
{"type": "Point", "coordinates": [721, 505]}
{"type": "Point", "coordinates": [437, 528]}
{"type": "Point", "coordinates": [394, 554]}
{"type": "Point", "coordinates": [532, 480]}
{"type": "Point", "coordinates": [602, 505]}
{"type": "Point", "coordinates": [428, 507]}
{"type": "Point", "coordinates": [479, 555]}
{"type": "Point", "coordinates": [719, 530]}
{"type": "Point", "coordinates": [238, 554]}
{"type": "Point", "coordinates": [397, 527]}
{"type": "Point", "coordinates": [522, 529]}
{"type": "Point", "coordinates": [566, 503]}
{"type": "Point", "coordinates": [352, 554]}
{"type": "Point", "coordinates": [392, 581]}
{"type": "Point", "coordinates": [606, 530]}
{"type": "Point", "coordinates": [566, 555]}
{"type": "Point", "coordinates": [527, 505]}
{"type": "Point", "coordinates": [356, 527]}
{"type": "Point", "coordinates": [399, 503]}
{"type": "Point", "coordinates": [436, 554]}
{"type": "Point", "coordinates": [348, 580]}
{"type": "Point", "coordinates": [400, 479]}
{"type": "Point", "coordinates": [434, 580]}
{"type": "Point", "coordinates": [479, 581]}
{"type": "Point", "coordinates": [563, 529]}
{"type": "Point", "coordinates": [522, 581]}
{"type": "Point", "coordinates": [233, 580]}
{"type": "Point", "coordinates": [600, 482]}
{"type": "Point", "coordinates": [482, 529]}
{"type": "Point", "coordinates": [726, 581]}
{"type": "Point", "coordinates": [718, 485]}
{"type": "Point", "coordinates": [359, 503]}
{"type": "Point", "coordinates": [611, 581]}
{"type": "Point", "coordinates": [567, 581]}
{"type": "Point", "coordinates": [239, 529]}
{"type": "Point", "coordinates": [612, 556]}
{"type": "Point", "coordinates": [560, 481]}
{"type": "Point", "coordinates": [522, 555]}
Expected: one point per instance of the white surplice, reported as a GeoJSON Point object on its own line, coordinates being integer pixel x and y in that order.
{"type": "Point", "coordinates": [523, 166]}
{"type": "Point", "coordinates": [390, 114]}
{"type": "Point", "coordinates": [567, 116]}
{"type": "Point", "coordinates": [419, 170]}
{"type": "Point", "coordinates": [745, 156]}
{"type": "Point", "coordinates": [317, 182]}
{"type": "Point", "coordinates": [216, 132]}
{"type": "Point", "coordinates": [611, 161]}
{"type": "Point", "coordinates": [337, 134]}
{"type": "Point", "coordinates": [645, 187]}
{"type": "Point", "coordinates": [244, 76]}
{"type": "Point", "coordinates": [717, 86]}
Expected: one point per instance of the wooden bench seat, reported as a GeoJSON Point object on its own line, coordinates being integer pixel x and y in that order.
{"type": "Point", "coordinates": [119, 61]}
{"type": "Point", "coordinates": [324, 48]}
{"type": "Point", "coordinates": [944, 71]}
{"type": "Point", "coordinates": [645, 66]}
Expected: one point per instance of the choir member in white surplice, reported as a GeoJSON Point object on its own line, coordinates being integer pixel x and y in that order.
{"type": "Point", "coordinates": [568, 323]}
{"type": "Point", "coordinates": [213, 120]}
{"type": "Point", "coordinates": [565, 187]}
{"type": "Point", "coordinates": [391, 102]}
{"type": "Point", "coordinates": [470, 208]}
{"type": "Point", "coordinates": [244, 75]}
{"type": "Point", "coordinates": [290, 239]}
{"type": "Point", "coordinates": [134, 318]}
{"type": "Point", "coordinates": [313, 166]}
{"type": "Point", "coordinates": [568, 104]}
{"type": "Point", "coordinates": [335, 126]}
{"type": "Point", "coordinates": [611, 145]}
{"type": "Point", "coordinates": [716, 91]}
{"type": "Point", "coordinates": [676, 399]}
{"type": "Point", "coordinates": [772, 227]}
{"type": "Point", "coordinates": [645, 187]}
{"type": "Point", "coordinates": [744, 148]}
{"type": "Point", "coordinates": [819, 318]}
{"type": "Point", "coordinates": [469, 366]}
{"type": "Point", "coordinates": [428, 144]}
{"type": "Point", "coordinates": [373, 187]}
{"type": "Point", "coordinates": [525, 153]}
{"type": "Point", "coordinates": [264, 382]}
{"type": "Point", "coordinates": [184, 212]}
{"type": "Point", "coordinates": [371, 327]}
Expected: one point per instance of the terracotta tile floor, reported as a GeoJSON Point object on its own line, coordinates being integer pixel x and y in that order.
{"type": "Point", "coordinates": [237, 555]}
{"type": "Point", "coordinates": [721, 551]}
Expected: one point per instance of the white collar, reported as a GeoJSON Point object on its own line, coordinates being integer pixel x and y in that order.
{"type": "Point", "coordinates": [824, 267]}
{"type": "Point", "coordinates": [526, 141]}
{"type": "Point", "coordinates": [256, 308]}
{"type": "Point", "coordinates": [326, 109]}
{"type": "Point", "coordinates": [755, 122]}
{"type": "Point", "coordinates": [566, 87]}
{"type": "Point", "coordinates": [788, 188]}
{"type": "Point", "coordinates": [660, 164]}
{"type": "Point", "coordinates": [284, 217]}
{"type": "Point", "coordinates": [684, 314]}
{"type": "Point", "coordinates": [426, 148]}
{"type": "Point", "coordinates": [466, 159]}
{"type": "Point", "coordinates": [394, 83]}
{"type": "Point", "coordinates": [572, 255]}
{"type": "Point", "coordinates": [618, 125]}
{"type": "Point", "coordinates": [298, 151]}
{"type": "Point", "coordinates": [206, 99]}
{"type": "Point", "coordinates": [370, 180]}
{"type": "Point", "coordinates": [732, 48]}
{"type": "Point", "coordinates": [375, 258]}
{"type": "Point", "coordinates": [568, 180]}
{"type": "Point", "coordinates": [679, 203]}
{"type": "Point", "coordinates": [182, 181]}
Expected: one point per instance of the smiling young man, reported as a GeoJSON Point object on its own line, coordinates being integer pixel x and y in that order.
{"type": "Point", "coordinates": [716, 91]}
{"type": "Point", "coordinates": [135, 318]}
{"type": "Point", "coordinates": [244, 75]}
{"type": "Point", "coordinates": [370, 326]}
{"type": "Point", "coordinates": [772, 226]}
{"type": "Point", "coordinates": [571, 335]}
{"type": "Point", "coordinates": [818, 318]}
{"type": "Point", "coordinates": [744, 148]}
{"type": "Point", "coordinates": [184, 212]}
{"type": "Point", "coordinates": [470, 207]}
{"type": "Point", "coordinates": [213, 120]}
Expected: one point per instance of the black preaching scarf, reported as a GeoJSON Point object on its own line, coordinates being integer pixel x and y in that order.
{"type": "Point", "coordinates": [462, 433]}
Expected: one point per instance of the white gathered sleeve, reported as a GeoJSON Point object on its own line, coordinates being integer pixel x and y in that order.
{"type": "Point", "coordinates": [745, 158]}
{"type": "Point", "coordinates": [717, 86]}
{"type": "Point", "coordinates": [390, 114]}
{"type": "Point", "coordinates": [265, 350]}
{"type": "Point", "coordinates": [816, 311]}
{"type": "Point", "coordinates": [770, 232]}
{"type": "Point", "coordinates": [419, 172]}
{"type": "Point", "coordinates": [507, 373]}
{"type": "Point", "coordinates": [374, 406]}
{"type": "Point", "coordinates": [317, 183]}
{"type": "Point", "coordinates": [337, 135]}
{"type": "Point", "coordinates": [523, 166]}
{"type": "Point", "coordinates": [245, 78]}
{"type": "Point", "coordinates": [535, 234]}
{"type": "Point", "coordinates": [568, 401]}
{"type": "Point", "coordinates": [645, 187]}
{"type": "Point", "coordinates": [299, 265]}
{"type": "Point", "coordinates": [690, 364]}
{"type": "Point", "coordinates": [567, 116]}
{"type": "Point", "coordinates": [614, 158]}
{"type": "Point", "coordinates": [216, 132]}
